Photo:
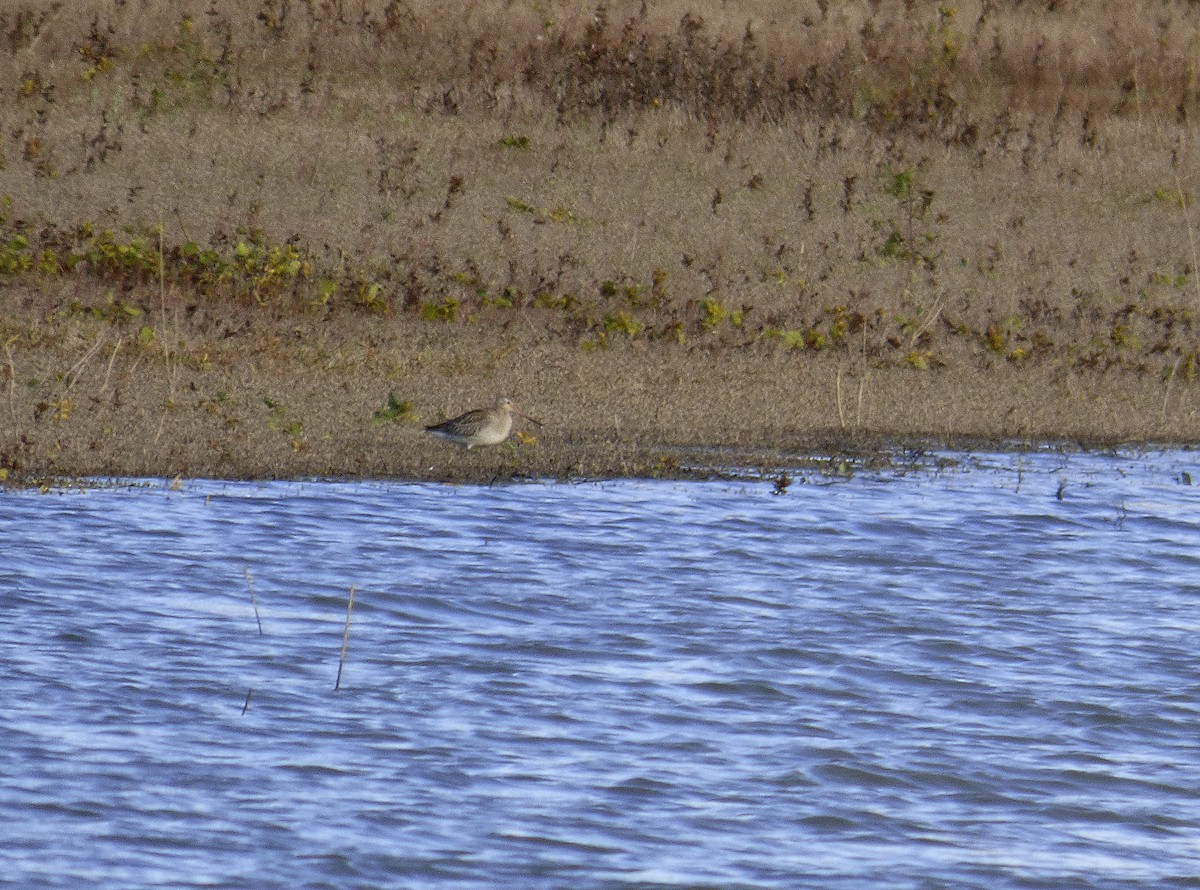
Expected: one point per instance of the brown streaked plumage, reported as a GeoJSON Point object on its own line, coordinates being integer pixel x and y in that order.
{"type": "Point", "coordinates": [483, 426]}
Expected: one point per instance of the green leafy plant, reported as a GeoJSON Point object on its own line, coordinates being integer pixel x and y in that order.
{"type": "Point", "coordinates": [395, 411]}
{"type": "Point", "coordinates": [623, 323]}
{"type": "Point", "coordinates": [445, 310]}
{"type": "Point", "coordinates": [714, 314]}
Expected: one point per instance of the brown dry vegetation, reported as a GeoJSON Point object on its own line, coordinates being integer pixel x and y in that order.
{"type": "Point", "coordinates": [229, 230]}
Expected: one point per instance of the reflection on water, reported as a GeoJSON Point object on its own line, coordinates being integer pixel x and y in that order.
{"type": "Point", "coordinates": [983, 677]}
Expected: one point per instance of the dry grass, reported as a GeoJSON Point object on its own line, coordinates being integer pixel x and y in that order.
{"type": "Point", "coordinates": [769, 226]}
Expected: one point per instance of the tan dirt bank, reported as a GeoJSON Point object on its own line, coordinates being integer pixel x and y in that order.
{"type": "Point", "coordinates": [276, 241]}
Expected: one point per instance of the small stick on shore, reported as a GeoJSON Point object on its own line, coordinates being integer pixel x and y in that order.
{"type": "Point", "coordinates": [12, 383]}
{"type": "Point", "coordinates": [1167, 393]}
{"type": "Point", "coordinates": [72, 376]}
{"type": "Point", "coordinates": [838, 391]}
{"type": "Point", "coordinates": [345, 639]}
{"type": "Point", "coordinates": [108, 373]}
{"type": "Point", "coordinates": [253, 602]}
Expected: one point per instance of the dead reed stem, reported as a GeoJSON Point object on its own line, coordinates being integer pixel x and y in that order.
{"type": "Point", "coordinates": [1170, 379]}
{"type": "Point", "coordinates": [172, 367]}
{"type": "Point", "coordinates": [72, 376]}
{"type": "Point", "coordinates": [862, 386]}
{"type": "Point", "coordinates": [108, 372]}
{"type": "Point", "coordinates": [12, 384]}
{"type": "Point", "coordinates": [838, 392]}
{"type": "Point", "coordinates": [928, 323]}
{"type": "Point", "coordinates": [254, 602]}
{"type": "Point", "coordinates": [345, 639]}
{"type": "Point", "coordinates": [1187, 220]}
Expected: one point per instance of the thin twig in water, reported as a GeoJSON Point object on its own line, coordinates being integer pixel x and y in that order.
{"type": "Point", "coordinates": [253, 601]}
{"type": "Point", "coordinates": [246, 704]}
{"type": "Point", "coordinates": [345, 639]}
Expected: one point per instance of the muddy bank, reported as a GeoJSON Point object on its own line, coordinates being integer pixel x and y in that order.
{"type": "Point", "coordinates": [349, 397]}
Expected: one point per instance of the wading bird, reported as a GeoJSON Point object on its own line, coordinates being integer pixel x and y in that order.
{"type": "Point", "coordinates": [483, 426]}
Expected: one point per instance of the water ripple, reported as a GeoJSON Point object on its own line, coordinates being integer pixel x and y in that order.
{"type": "Point", "coordinates": [984, 677]}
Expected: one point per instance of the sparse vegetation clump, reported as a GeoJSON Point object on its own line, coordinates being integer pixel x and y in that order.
{"type": "Point", "coordinates": [229, 230]}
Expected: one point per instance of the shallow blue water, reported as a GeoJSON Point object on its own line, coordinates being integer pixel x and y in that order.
{"type": "Point", "coordinates": [941, 679]}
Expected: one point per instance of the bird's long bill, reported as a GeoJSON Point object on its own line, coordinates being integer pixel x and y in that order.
{"type": "Point", "coordinates": [532, 420]}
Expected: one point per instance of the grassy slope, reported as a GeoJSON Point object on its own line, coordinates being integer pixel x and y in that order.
{"type": "Point", "coordinates": [229, 232]}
